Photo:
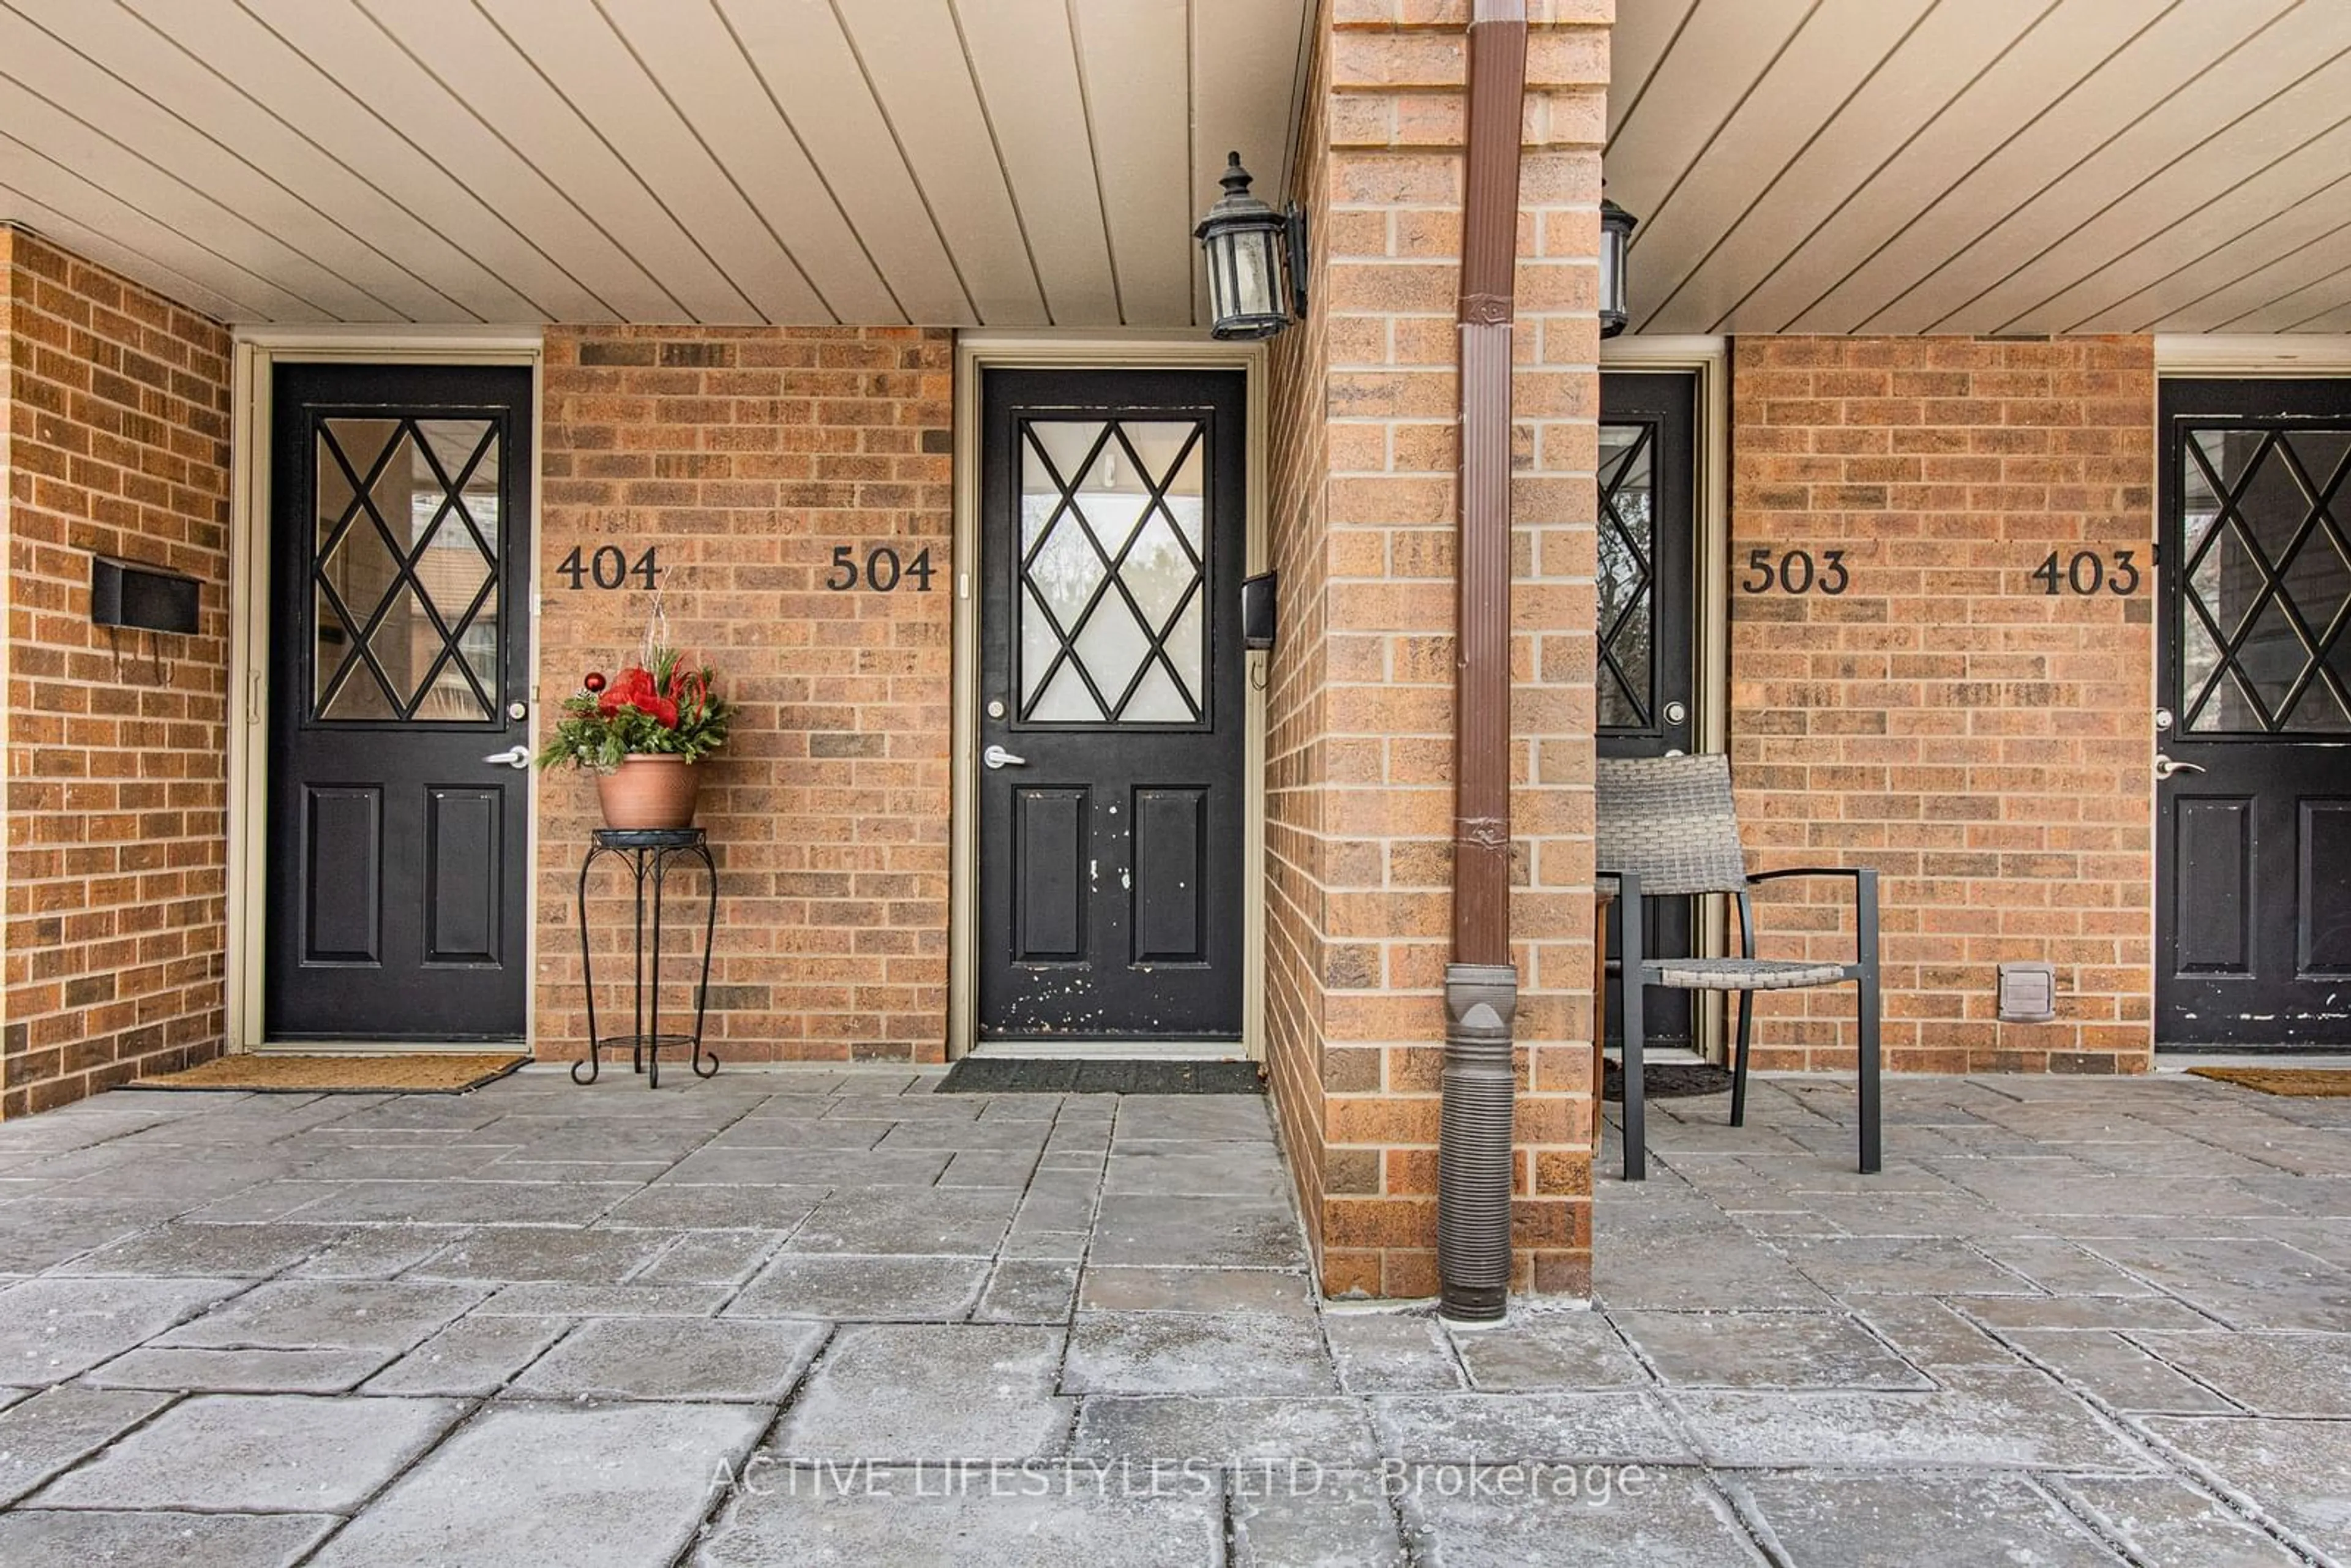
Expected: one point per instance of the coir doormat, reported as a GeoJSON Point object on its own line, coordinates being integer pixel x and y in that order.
{"type": "Point", "coordinates": [2302, 1082]}
{"type": "Point", "coordinates": [1075, 1075]}
{"type": "Point", "coordinates": [450, 1072]}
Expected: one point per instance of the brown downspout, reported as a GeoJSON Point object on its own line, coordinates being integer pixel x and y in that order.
{"type": "Point", "coordinates": [1474, 1143]}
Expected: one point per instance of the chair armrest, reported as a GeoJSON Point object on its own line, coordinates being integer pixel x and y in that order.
{"type": "Point", "coordinates": [1864, 898]}
{"type": "Point", "coordinates": [1628, 914]}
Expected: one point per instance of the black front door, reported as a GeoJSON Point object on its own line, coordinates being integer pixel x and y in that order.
{"type": "Point", "coordinates": [400, 644]}
{"type": "Point", "coordinates": [1647, 591]}
{"type": "Point", "coordinates": [2253, 841]}
{"type": "Point", "coordinates": [1111, 712]}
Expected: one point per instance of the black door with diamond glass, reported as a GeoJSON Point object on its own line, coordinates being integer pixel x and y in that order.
{"type": "Point", "coordinates": [2254, 797]}
{"type": "Point", "coordinates": [1112, 718]}
{"type": "Point", "coordinates": [399, 786]}
{"type": "Point", "coordinates": [1647, 591]}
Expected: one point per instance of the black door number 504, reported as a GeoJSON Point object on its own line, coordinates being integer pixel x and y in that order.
{"type": "Point", "coordinates": [1795, 572]}
{"type": "Point", "coordinates": [882, 571]}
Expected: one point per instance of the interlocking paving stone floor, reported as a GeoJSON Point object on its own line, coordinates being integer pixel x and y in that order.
{"type": "Point", "coordinates": [826, 1316]}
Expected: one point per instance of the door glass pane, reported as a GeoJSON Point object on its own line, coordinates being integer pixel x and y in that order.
{"type": "Point", "coordinates": [1112, 570]}
{"type": "Point", "coordinates": [2269, 570]}
{"type": "Point", "coordinates": [1627, 570]}
{"type": "Point", "coordinates": [404, 581]}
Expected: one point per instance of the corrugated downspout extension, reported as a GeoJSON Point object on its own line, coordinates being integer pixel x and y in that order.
{"type": "Point", "coordinates": [1474, 1139]}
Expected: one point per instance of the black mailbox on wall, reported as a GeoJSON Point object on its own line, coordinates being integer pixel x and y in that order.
{"type": "Point", "coordinates": [1258, 610]}
{"type": "Point", "coordinates": [133, 593]}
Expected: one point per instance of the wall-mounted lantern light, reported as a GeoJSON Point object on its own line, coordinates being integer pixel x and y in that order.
{"type": "Point", "coordinates": [1256, 259]}
{"type": "Point", "coordinates": [1616, 227]}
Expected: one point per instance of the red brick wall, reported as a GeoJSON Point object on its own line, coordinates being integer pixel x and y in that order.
{"type": "Point", "coordinates": [115, 420]}
{"type": "Point", "coordinates": [746, 455]}
{"type": "Point", "coordinates": [1985, 744]}
{"type": "Point", "coordinates": [1360, 817]}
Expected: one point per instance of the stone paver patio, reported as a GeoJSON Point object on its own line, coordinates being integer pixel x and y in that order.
{"type": "Point", "coordinates": [830, 1317]}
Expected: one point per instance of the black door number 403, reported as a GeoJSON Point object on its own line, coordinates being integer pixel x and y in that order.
{"type": "Point", "coordinates": [2087, 572]}
{"type": "Point", "coordinates": [1796, 572]}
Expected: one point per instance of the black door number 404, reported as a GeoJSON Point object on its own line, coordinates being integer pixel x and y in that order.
{"type": "Point", "coordinates": [1795, 572]}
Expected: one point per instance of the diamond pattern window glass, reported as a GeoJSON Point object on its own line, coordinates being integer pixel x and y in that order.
{"type": "Point", "coordinates": [2267, 572]}
{"type": "Point", "coordinates": [1112, 572]}
{"type": "Point", "coordinates": [404, 578]}
{"type": "Point", "coordinates": [1628, 673]}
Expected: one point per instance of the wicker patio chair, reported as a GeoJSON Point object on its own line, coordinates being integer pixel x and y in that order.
{"type": "Point", "coordinates": [1666, 828]}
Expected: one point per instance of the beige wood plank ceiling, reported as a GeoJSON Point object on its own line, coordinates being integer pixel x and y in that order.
{"type": "Point", "coordinates": [954, 162]}
{"type": "Point", "coordinates": [2003, 166]}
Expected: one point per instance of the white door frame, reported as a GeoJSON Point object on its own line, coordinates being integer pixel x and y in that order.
{"type": "Point", "coordinates": [258, 350]}
{"type": "Point", "coordinates": [977, 352]}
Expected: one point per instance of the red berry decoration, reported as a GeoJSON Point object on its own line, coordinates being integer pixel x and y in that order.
{"type": "Point", "coordinates": [595, 681]}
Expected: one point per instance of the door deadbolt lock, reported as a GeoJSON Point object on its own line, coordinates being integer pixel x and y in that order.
{"type": "Point", "coordinates": [2162, 719]}
{"type": "Point", "coordinates": [1676, 713]}
{"type": "Point", "coordinates": [995, 708]}
{"type": "Point", "coordinates": [517, 711]}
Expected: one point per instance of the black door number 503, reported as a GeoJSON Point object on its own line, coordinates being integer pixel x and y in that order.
{"type": "Point", "coordinates": [1795, 572]}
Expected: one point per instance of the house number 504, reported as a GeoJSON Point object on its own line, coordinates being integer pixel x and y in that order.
{"type": "Point", "coordinates": [880, 571]}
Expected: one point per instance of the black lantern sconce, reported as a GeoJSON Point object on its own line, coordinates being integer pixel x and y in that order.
{"type": "Point", "coordinates": [1256, 259]}
{"type": "Point", "coordinates": [1616, 226]}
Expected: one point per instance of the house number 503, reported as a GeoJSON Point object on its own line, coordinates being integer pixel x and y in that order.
{"type": "Point", "coordinates": [882, 570]}
{"type": "Point", "coordinates": [1796, 572]}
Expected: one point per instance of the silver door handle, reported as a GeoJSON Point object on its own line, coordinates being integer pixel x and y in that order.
{"type": "Point", "coordinates": [997, 756]}
{"type": "Point", "coordinates": [2165, 767]}
{"type": "Point", "coordinates": [519, 757]}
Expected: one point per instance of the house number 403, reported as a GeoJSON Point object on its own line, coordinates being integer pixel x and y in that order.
{"type": "Point", "coordinates": [2087, 572]}
{"type": "Point", "coordinates": [882, 571]}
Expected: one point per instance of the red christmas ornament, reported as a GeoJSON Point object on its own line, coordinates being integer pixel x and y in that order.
{"type": "Point", "coordinates": [595, 681]}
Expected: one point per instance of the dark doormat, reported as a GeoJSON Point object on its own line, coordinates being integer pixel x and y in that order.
{"type": "Point", "coordinates": [1075, 1075]}
{"type": "Point", "coordinates": [1670, 1081]}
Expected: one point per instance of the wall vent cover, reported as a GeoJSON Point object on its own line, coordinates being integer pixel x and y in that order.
{"type": "Point", "coordinates": [2028, 993]}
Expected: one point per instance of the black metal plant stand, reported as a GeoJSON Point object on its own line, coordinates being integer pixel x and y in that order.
{"type": "Point", "coordinates": [648, 851]}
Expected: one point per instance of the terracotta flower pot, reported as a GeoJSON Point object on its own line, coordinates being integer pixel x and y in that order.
{"type": "Point", "coordinates": [648, 791]}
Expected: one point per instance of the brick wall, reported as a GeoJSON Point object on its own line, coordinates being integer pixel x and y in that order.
{"type": "Point", "coordinates": [746, 455]}
{"type": "Point", "coordinates": [115, 422]}
{"type": "Point", "coordinates": [1359, 821]}
{"type": "Point", "coordinates": [1982, 743]}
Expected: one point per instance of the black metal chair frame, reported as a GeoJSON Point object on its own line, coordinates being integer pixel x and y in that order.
{"type": "Point", "coordinates": [1638, 972]}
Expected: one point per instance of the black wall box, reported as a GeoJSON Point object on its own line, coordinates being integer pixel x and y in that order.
{"type": "Point", "coordinates": [1258, 610]}
{"type": "Point", "coordinates": [132, 593]}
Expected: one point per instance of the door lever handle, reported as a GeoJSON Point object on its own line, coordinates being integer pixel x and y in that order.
{"type": "Point", "coordinates": [2165, 767]}
{"type": "Point", "coordinates": [997, 756]}
{"type": "Point", "coordinates": [518, 756]}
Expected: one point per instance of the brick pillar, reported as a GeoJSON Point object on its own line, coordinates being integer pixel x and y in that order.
{"type": "Point", "coordinates": [1359, 793]}
{"type": "Point", "coordinates": [114, 415]}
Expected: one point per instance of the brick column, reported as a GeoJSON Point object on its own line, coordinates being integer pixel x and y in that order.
{"type": "Point", "coordinates": [1360, 794]}
{"type": "Point", "coordinates": [114, 441]}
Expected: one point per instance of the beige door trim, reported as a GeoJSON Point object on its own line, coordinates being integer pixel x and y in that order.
{"type": "Point", "coordinates": [256, 351]}
{"type": "Point", "coordinates": [977, 351]}
{"type": "Point", "coordinates": [1708, 359]}
{"type": "Point", "coordinates": [2245, 355]}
